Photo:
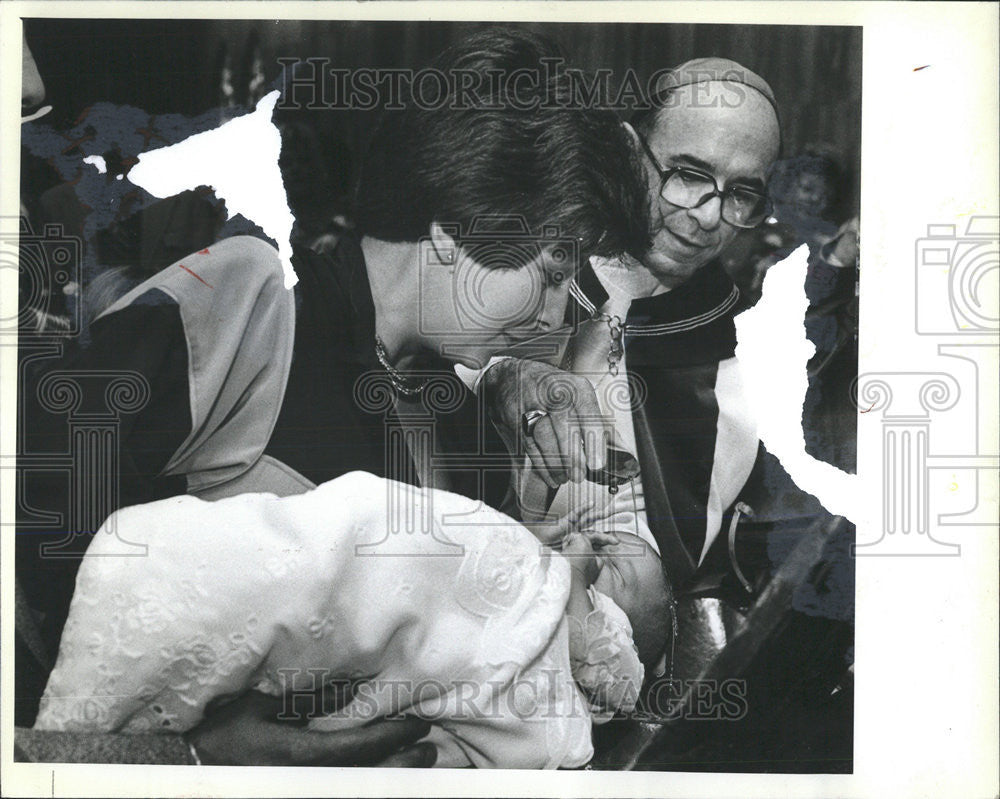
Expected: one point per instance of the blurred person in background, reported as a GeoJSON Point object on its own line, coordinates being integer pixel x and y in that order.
{"type": "Point", "coordinates": [811, 201]}
{"type": "Point", "coordinates": [810, 192]}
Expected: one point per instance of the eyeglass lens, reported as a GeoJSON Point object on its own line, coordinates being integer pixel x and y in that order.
{"type": "Point", "coordinates": [690, 189]}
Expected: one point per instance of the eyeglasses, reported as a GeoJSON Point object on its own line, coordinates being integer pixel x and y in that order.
{"type": "Point", "coordinates": [686, 187]}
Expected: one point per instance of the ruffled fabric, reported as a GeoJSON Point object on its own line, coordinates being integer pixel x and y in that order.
{"type": "Point", "coordinates": [604, 658]}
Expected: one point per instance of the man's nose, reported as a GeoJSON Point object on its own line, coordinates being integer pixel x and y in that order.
{"type": "Point", "coordinates": [708, 214]}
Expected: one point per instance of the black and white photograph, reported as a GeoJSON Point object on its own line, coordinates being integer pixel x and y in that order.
{"type": "Point", "coordinates": [468, 392]}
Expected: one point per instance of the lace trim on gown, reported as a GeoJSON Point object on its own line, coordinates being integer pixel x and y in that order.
{"type": "Point", "coordinates": [603, 656]}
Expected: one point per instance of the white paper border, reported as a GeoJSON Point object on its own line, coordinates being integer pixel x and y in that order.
{"type": "Point", "coordinates": [926, 649]}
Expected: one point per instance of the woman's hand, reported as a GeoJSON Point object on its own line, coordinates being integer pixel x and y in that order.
{"type": "Point", "coordinates": [246, 732]}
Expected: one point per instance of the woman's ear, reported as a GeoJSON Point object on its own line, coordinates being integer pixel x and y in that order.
{"type": "Point", "coordinates": [633, 136]}
{"type": "Point", "coordinates": [443, 242]}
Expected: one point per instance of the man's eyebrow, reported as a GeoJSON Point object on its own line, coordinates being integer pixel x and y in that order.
{"type": "Point", "coordinates": [695, 161]}
{"type": "Point", "coordinates": [705, 166]}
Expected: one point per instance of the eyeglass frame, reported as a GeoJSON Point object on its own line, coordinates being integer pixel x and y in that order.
{"type": "Point", "coordinates": [666, 174]}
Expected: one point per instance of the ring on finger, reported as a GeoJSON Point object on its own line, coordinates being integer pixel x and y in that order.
{"type": "Point", "coordinates": [529, 419]}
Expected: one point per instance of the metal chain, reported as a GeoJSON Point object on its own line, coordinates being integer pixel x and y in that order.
{"type": "Point", "coordinates": [405, 386]}
{"type": "Point", "coordinates": [616, 330]}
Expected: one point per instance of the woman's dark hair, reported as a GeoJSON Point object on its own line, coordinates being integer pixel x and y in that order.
{"type": "Point", "coordinates": [483, 143]}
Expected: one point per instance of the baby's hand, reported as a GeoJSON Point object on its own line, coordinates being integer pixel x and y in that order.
{"type": "Point", "coordinates": [602, 538]}
{"type": "Point", "coordinates": [578, 549]}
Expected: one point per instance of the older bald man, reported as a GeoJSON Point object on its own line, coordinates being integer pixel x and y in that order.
{"type": "Point", "coordinates": [659, 339]}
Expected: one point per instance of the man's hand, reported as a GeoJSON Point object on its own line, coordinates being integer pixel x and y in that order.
{"type": "Point", "coordinates": [246, 732]}
{"type": "Point", "coordinates": [569, 439]}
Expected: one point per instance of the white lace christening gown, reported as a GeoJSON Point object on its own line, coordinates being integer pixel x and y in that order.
{"type": "Point", "coordinates": [441, 608]}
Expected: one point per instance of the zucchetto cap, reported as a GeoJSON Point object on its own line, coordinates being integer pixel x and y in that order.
{"type": "Point", "coordinates": [705, 70]}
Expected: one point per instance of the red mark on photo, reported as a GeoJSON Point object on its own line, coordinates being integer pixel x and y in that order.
{"type": "Point", "coordinates": [192, 273]}
{"type": "Point", "coordinates": [917, 69]}
{"type": "Point", "coordinates": [203, 252]}
{"type": "Point", "coordinates": [869, 408]}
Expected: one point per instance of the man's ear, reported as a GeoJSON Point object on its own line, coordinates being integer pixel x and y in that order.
{"type": "Point", "coordinates": [444, 244]}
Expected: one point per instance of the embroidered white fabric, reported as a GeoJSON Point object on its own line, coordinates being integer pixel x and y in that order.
{"type": "Point", "coordinates": [461, 621]}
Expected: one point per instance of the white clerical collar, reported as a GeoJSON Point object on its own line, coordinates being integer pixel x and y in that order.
{"type": "Point", "coordinates": [624, 277]}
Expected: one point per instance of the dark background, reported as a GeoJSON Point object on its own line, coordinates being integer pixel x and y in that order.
{"type": "Point", "coordinates": [174, 66]}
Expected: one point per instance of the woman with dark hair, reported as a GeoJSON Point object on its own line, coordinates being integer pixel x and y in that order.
{"type": "Point", "coordinates": [474, 208]}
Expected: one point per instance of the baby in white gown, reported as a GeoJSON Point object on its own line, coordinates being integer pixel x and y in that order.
{"type": "Point", "coordinates": [507, 647]}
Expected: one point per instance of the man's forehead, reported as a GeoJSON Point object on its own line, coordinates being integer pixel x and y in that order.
{"type": "Point", "coordinates": [703, 118]}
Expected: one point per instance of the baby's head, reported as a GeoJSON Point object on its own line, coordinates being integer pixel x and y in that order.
{"type": "Point", "coordinates": [632, 575]}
